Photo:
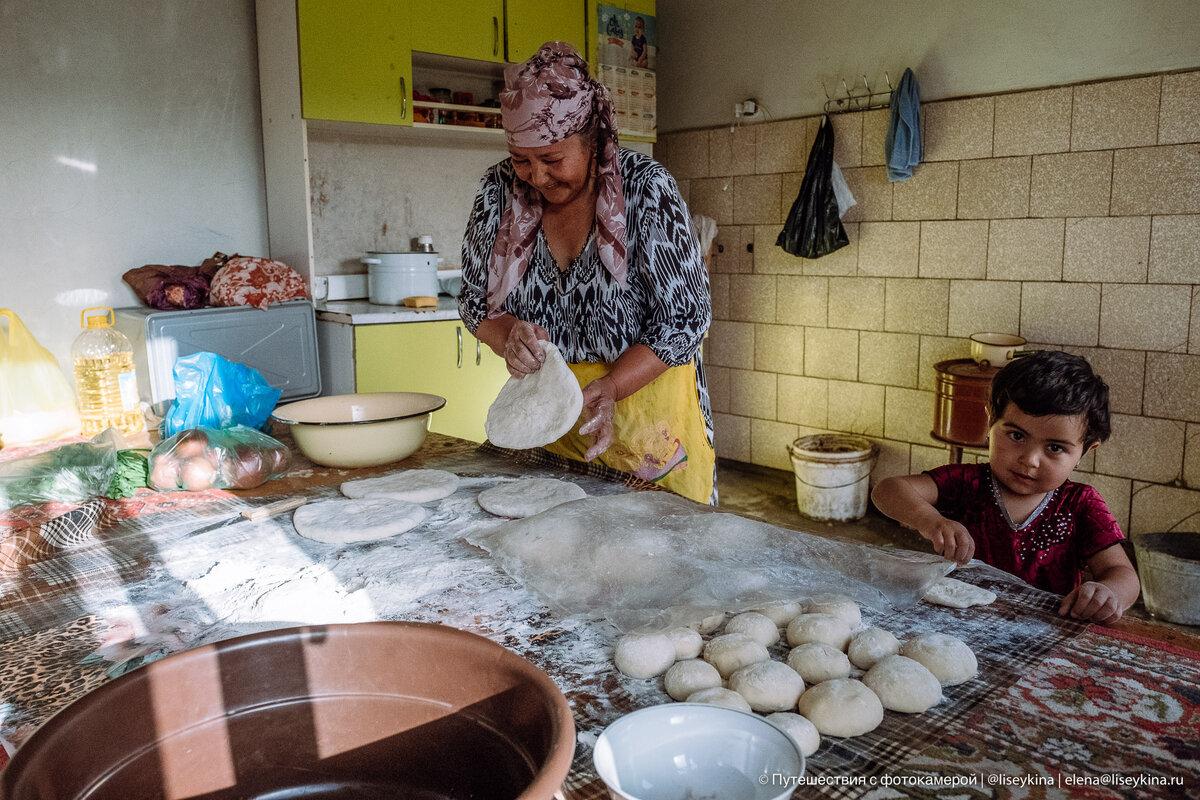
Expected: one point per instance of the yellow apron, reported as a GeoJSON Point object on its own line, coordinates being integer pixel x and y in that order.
{"type": "Point", "coordinates": [658, 433]}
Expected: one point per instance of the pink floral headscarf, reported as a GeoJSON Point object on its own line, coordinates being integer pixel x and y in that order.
{"type": "Point", "coordinates": [546, 99]}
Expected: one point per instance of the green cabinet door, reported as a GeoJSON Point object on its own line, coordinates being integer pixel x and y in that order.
{"type": "Point", "coordinates": [356, 61]}
{"type": "Point", "coordinates": [531, 23]}
{"type": "Point", "coordinates": [463, 28]}
{"type": "Point", "coordinates": [441, 358]}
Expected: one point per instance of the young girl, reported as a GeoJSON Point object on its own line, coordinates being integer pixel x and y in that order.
{"type": "Point", "coordinates": [1019, 512]}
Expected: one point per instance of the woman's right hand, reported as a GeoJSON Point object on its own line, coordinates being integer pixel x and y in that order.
{"type": "Point", "coordinates": [522, 353]}
{"type": "Point", "coordinates": [950, 539]}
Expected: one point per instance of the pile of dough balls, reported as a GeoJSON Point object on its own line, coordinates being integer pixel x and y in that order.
{"type": "Point", "coordinates": [836, 680]}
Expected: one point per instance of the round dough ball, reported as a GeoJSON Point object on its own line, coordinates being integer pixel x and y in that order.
{"type": "Point", "coordinates": [947, 657]}
{"type": "Point", "coordinates": [757, 626]}
{"type": "Point", "coordinates": [839, 606]}
{"type": "Point", "coordinates": [768, 686]}
{"type": "Point", "coordinates": [685, 678]}
{"type": "Point", "coordinates": [817, 662]}
{"type": "Point", "coordinates": [826, 628]}
{"type": "Point", "coordinates": [644, 655]}
{"type": "Point", "coordinates": [688, 643]}
{"type": "Point", "coordinates": [799, 730]}
{"type": "Point", "coordinates": [781, 613]}
{"type": "Point", "coordinates": [528, 496]}
{"type": "Point", "coordinates": [732, 651]}
{"type": "Point", "coordinates": [725, 698]}
{"type": "Point", "coordinates": [710, 623]}
{"type": "Point", "coordinates": [867, 647]}
{"type": "Point", "coordinates": [841, 707]}
{"type": "Point", "coordinates": [903, 685]}
{"type": "Point", "coordinates": [411, 485]}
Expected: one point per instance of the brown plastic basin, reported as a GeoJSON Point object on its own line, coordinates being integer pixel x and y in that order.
{"type": "Point", "coordinates": [372, 710]}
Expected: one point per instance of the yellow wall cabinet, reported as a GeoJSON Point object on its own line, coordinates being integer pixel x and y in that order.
{"type": "Point", "coordinates": [356, 60]}
{"type": "Point", "coordinates": [464, 28]}
{"type": "Point", "coordinates": [440, 358]}
{"type": "Point", "coordinates": [531, 23]}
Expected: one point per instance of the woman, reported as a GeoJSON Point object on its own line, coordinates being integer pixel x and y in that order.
{"type": "Point", "coordinates": [574, 241]}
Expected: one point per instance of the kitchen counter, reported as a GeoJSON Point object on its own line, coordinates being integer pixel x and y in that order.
{"type": "Point", "coordinates": [361, 312]}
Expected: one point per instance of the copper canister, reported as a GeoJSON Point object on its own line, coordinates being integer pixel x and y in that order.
{"type": "Point", "coordinates": [960, 407]}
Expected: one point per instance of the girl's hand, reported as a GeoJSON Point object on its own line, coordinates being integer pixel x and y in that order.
{"type": "Point", "coordinates": [1092, 601]}
{"type": "Point", "coordinates": [522, 353]}
{"type": "Point", "coordinates": [599, 405]}
{"type": "Point", "coordinates": [950, 539]}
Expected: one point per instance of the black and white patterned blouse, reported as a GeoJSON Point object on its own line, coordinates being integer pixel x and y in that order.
{"type": "Point", "coordinates": [664, 305]}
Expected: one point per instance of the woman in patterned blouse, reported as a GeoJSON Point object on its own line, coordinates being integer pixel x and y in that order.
{"type": "Point", "coordinates": [575, 241]}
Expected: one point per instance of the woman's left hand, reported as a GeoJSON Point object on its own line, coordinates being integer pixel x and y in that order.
{"type": "Point", "coordinates": [599, 405]}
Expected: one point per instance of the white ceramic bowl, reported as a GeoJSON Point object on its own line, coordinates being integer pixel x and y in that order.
{"type": "Point", "coordinates": [682, 750]}
{"type": "Point", "coordinates": [360, 430]}
{"type": "Point", "coordinates": [995, 349]}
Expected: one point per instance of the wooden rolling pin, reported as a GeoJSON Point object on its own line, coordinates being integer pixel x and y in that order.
{"type": "Point", "coordinates": [274, 509]}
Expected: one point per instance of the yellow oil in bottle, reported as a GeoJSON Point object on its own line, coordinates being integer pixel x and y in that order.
{"type": "Point", "coordinates": [105, 378]}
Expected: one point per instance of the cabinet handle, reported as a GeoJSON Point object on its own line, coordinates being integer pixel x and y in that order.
{"type": "Point", "coordinates": [478, 354]}
{"type": "Point", "coordinates": [403, 98]}
{"type": "Point", "coordinates": [495, 36]}
{"type": "Point", "coordinates": [458, 333]}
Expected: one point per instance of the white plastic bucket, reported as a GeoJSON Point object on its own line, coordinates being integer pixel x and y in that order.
{"type": "Point", "coordinates": [833, 473]}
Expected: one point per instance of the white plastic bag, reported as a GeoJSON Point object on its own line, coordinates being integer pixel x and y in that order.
{"type": "Point", "coordinates": [36, 401]}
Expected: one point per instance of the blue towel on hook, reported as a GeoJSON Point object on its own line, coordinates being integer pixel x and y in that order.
{"type": "Point", "coordinates": [903, 148]}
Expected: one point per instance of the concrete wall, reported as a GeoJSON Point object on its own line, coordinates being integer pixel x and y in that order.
{"type": "Point", "coordinates": [715, 52]}
{"type": "Point", "coordinates": [129, 134]}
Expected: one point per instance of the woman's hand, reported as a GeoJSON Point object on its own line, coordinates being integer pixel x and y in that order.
{"type": "Point", "coordinates": [522, 353]}
{"type": "Point", "coordinates": [599, 404]}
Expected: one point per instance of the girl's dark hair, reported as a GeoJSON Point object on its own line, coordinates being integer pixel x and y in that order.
{"type": "Point", "coordinates": [1051, 382]}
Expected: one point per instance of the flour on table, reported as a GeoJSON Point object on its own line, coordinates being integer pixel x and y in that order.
{"type": "Point", "coordinates": [412, 485]}
{"type": "Point", "coordinates": [537, 409]}
{"type": "Point", "coordinates": [529, 496]}
{"type": "Point", "coordinates": [958, 594]}
{"type": "Point", "coordinates": [366, 520]}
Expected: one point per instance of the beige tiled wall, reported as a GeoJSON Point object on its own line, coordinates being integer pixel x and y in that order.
{"type": "Point", "coordinates": [1070, 215]}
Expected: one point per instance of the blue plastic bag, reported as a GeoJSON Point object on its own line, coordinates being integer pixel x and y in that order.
{"type": "Point", "coordinates": [214, 392]}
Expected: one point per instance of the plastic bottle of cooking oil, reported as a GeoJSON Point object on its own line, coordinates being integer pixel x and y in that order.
{"type": "Point", "coordinates": [105, 378]}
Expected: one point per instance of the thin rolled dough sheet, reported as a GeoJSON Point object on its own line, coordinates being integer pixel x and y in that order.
{"type": "Point", "coordinates": [958, 594]}
{"type": "Point", "coordinates": [528, 496]}
{"type": "Point", "coordinates": [413, 485]}
{"type": "Point", "coordinates": [538, 409]}
{"type": "Point", "coordinates": [366, 520]}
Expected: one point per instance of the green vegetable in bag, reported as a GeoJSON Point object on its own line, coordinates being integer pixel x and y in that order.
{"type": "Point", "coordinates": [72, 473]}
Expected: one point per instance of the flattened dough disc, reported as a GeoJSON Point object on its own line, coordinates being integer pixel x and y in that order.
{"type": "Point", "coordinates": [413, 485]}
{"type": "Point", "coordinates": [537, 409]}
{"type": "Point", "coordinates": [366, 520]}
{"type": "Point", "coordinates": [958, 594]}
{"type": "Point", "coordinates": [528, 496]}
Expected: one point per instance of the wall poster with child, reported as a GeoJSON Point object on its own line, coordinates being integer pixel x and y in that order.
{"type": "Point", "coordinates": [627, 44]}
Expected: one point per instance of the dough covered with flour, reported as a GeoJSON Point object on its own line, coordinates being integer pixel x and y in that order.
{"type": "Point", "coordinates": [730, 652]}
{"type": "Point", "coordinates": [349, 521]}
{"type": "Point", "coordinates": [537, 409]}
{"type": "Point", "coordinates": [954, 593]}
{"type": "Point", "coordinates": [725, 698]}
{"type": "Point", "coordinates": [688, 643]}
{"type": "Point", "coordinates": [903, 685]}
{"type": "Point", "coordinates": [685, 678]}
{"type": "Point", "coordinates": [528, 496]}
{"type": "Point", "coordinates": [947, 657]}
{"type": "Point", "coordinates": [644, 655]}
{"type": "Point", "coordinates": [838, 605]}
{"type": "Point", "coordinates": [842, 707]}
{"type": "Point", "coordinates": [781, 613]}
{"type": "Point", "coordinates": [799, 730]}
{"type": "Point", "coordinates": [411, 485]}
{"type": "Point", "coordinates": [870, 645]}
{"type": "Point", "coordinates": [710, 623]}
{"type": "Point", "coordinates": [757, 626]}
{"type": "Point", "coordinates": [826, 628]}
{"type": "Point", "coordinates": [817, 662]}
{"type": "Point", "coordinates": [768, 686]}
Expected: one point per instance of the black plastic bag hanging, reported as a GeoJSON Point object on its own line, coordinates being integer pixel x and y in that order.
{"type": "Point", "coordinates": [813, 228]}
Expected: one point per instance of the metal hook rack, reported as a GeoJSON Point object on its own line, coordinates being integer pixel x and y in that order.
{"type": "Point", "coordinates": [853, 99]}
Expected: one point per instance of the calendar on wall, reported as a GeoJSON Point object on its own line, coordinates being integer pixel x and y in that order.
{"type": "Point", "coordinates": [627, 47]}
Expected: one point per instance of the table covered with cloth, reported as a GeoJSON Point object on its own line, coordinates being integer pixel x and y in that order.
{"type": "Point", "coordinates": [1058, 709]}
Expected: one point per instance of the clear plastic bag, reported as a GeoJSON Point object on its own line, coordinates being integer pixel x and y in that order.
{"type": "Point", "coordinates": [654, 560]}
{"type": "Point", "coordinates": [72, 473]}
{"type": "Point", "coordinates": [210, 458]}
{"type": "Point", "coordinates": [36, 401]}
{"type": "Point", "coordinates": [214, 392]}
